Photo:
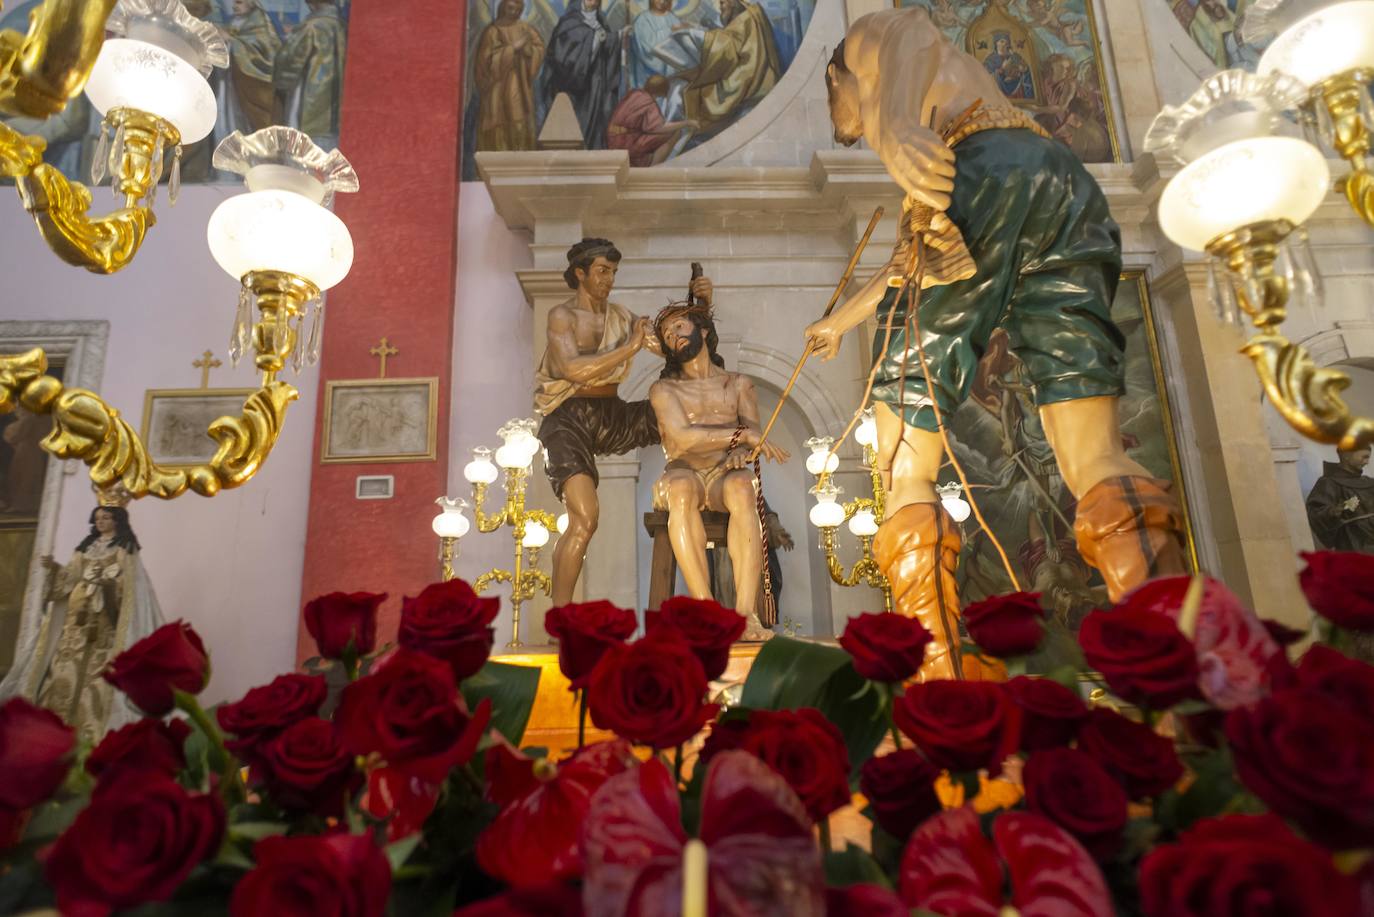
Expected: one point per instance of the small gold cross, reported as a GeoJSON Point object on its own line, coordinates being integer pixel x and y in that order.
{"type": "Point", "coordinates": [383, 350]}
{"type": "Point", "coordinates": [206, 363]}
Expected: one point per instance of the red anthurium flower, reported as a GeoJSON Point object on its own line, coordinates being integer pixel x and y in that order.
{"type": "Point", "coordinates": [534, 840]}
{"type": "Point", "coordinates": [950, 868]}
{"type": "Point", "coordinates": [405, 799]}
{"type": "Point", "coordinates": [762, 859]}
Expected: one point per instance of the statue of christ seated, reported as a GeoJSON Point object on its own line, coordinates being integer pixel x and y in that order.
{"type": "Point", "coordinates": [709, 420]}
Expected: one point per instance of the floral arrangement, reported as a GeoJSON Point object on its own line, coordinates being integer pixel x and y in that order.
{"type": "Point", "coordinates": [1241, 783]}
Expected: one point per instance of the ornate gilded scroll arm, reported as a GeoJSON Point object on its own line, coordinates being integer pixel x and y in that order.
{"type": "Point", "coordinates": [41, 71]}
{"type": "Point", "coordinates": [88, 429]}
{"type": "Point", "coordinates": [1305, 395]}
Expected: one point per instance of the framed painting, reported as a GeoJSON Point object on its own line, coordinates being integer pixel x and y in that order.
{"type": "Point", "coordinates": [176, 421]}
{"type": "Point", "coordinates": [998, 439]}
{"type": "Point", "coordinates": [1046, 57]}
{"type": "Point", "coordinates": [380, 420]}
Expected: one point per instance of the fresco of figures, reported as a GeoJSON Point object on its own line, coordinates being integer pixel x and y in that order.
{"type": "Point", "coordinates": [1044, 55]}
{"type": "Point", "coordinates": [286, 62]}
{"type": "Point", "coordinates": [1212, 25]}
{"type": "Point", "coordinates": [1000, 443]}
{"type": "Point", "coordinates": [653, 77]}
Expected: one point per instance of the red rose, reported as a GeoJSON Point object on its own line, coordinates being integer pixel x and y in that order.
{"type": "Point", "coordinates": [709, 628]}
{"type": "Point", "coordinates": [170, 658]}
{"type": "Point", "coordinates": [307, 768]}
{"type": "Point", "coordinates": [803, 747]}
{"type": "Point", "coordinates": [450, 622]}
{"type": "Point", "coordinates": [900, 787]}
{"type": "Point", "coordinates": [136, 842]}
{"type": "Point", "coordinates": [885, 647]}
{"type": "Point", "coordinates": [555, 898]}
{"type": "Point", "coordinates": [35, 753]}
{"type": "Point", "coordinates": [1007, 625]}
{"type": "Point", "coordinates": [1142, 655]}
{"type": "Point", "coordinates": [1339, 586]}
{"type": "Point", "coordinates": [1072, 790]}
{"type": "Point", "coordinates": [147, 745]}
{"type": "Point", "coordinates": [650, 691]}
{"type": "Point", "coordinates": [268, 709]}
{"type": "Point", "coordinates": [1143, 761]}
{"type": "Point", "coordinates": [863, 901]}
{"type": "Point", "coordinates": [534, 841]}
{"type": "Point", "coordinates": [949, 867]}
{"type": "Point", "coordinates": [337, 875]}
{"type": "Point", "coordinates": [960, 725]}
{"type": "Point", "coordinates": [1310, 762]}
{"type": "Point", "coordinates": [409, 711]}
{"type": "Point", "coordinates": [1236, 656]}
{"type": "Point", "coordinates": [584, 632]}
{"type": "Point", "coordinates": [1050, 712]}
{"type": "Point", "coordinates": [341, 620]}
{"type": "Point", "coordinates": [1345, 682]}
{"type": "Point", "coordinates": [1243, 866]}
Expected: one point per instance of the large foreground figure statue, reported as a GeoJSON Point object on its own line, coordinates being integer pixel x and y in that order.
{"type": "Point", "coordinates": [591, 342]}
{"type": "Point", "coordinates": [709, 419]}
{"type": "Point", "coordinates": [1015, 234]}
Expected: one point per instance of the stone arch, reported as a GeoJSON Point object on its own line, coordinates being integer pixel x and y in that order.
{"type": "Point", "coordinates": [1346, 343]}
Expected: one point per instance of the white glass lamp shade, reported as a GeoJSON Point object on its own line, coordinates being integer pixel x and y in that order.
{"type": "Point", "coordinates": [536, 535]}
{"type": "Point", "coordinates": [867, 433]}
{"type": "Point", "coordinates": [279, 230]}
{"type": "Point", "coordinates": [480, 470]}
{"type": "Point", "coordinates": [514, 456]}
{"type": "Point", "coordinates": [826, 515]}
{"type": "Point", "coordinates": [957, 507]}
{"type": "Point", "coordinates": [451, 524]}
{"type": "Point", "coordinates": [1334, 40]}
{"type": "Point", "coordinates": [864, 524]}
{"type": "Point", "coordinates": [136, 74]}
{"type": "Point", "coordinates": [562, 523]}
{"type": "Point", "coordinates": [1242, 183]}
{"type": "Point", "coordinates": [821, 460]}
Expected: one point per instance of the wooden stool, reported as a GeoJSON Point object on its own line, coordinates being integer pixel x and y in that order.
{"type": "Point", "coordinates": [663, 564]}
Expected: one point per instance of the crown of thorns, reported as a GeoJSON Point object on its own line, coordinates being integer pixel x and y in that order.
{"type": "Point", "coordinates": [676, 310]}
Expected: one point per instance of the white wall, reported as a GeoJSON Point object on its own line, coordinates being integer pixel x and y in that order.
{"type": "Point", "coordinates": [230, 565]}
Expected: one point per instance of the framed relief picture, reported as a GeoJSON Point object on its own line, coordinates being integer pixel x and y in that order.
{"type": "Point", "coordinates": [380, 420]}
{"type": "Point", "coordinates": [176, 421]}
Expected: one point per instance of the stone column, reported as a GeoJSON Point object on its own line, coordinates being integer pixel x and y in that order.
{"type": "Point", "coordinates": [1243, 534]}
{"type": "Point", "coordinates": [611, 571]}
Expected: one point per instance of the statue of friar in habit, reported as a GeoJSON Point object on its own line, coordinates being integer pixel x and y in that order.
{"type": "Point", "coordinates": [1015, 234]}
{"type": "Point", "coordinates": [709, 419]}
{"type": "Point", "coordinates": [1340, 506]}
{"type": "Point", "coordinates": [590, 344]}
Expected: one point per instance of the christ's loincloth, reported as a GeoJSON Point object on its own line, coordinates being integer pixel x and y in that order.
{"type": "Point", "coordinates": [1048, 258]}
{"type": "Point", "coordinates": [712, 485]}
{"type": "Point", "coordinates": [583, 427]}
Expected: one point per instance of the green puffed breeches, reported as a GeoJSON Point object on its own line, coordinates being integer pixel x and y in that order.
{"type": "Point", "coordinates": [1048, 258]}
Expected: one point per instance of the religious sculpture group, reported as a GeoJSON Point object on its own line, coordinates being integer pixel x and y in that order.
{"type": "Point", "coordinates": [1003, 233]}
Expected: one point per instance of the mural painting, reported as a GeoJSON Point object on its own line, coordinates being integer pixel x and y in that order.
{"type": "Point", "coordinates": [286, 62]}
{"type": "Point", "coordinates": [653, 77]}
{"type": "Point", "coordinates": [1045, 56]}
{"type": "Point", "coordinates": [1212, 25]}
{"type": "Point", "coordinates": [1000, 443]}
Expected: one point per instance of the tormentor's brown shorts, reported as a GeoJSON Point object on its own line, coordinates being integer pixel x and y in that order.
{"type": "Point", "coordinates": [580, 429]}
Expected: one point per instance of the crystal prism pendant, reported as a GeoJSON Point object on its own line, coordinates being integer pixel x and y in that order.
{"type": "Point", "coordinates": [155, 170]}
{"type": "Point", "coordinates": [1366, 107]}
{"type": "Point", "coordinates": [1306, 264]}
{"type": "Point", "coordinates": [101, 160]}
{"type": "Point", "coordinates": [1214, 291]}
{"type": "Point", "coordinates": [174, 182]}
{"type": "Point", "coordinates": [238, 338]}
{"type": "Point", "coordinates": [280, 341]}
{"type": "Point", "coordinates": [298, 348]}
{"type": "Point", "coordinates": [117, 155]}
{"type": "Point", "coordinates": [312, 353]}
{"type": "Point", "coordinates": [1227, 307]}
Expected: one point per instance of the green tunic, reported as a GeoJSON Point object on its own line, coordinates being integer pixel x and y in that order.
{"type": "Point", "coordinates": [1048, 258]}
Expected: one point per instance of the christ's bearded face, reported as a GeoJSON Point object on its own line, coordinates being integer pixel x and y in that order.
{"type": "Point", "coordinates": [683, 338]}
{"type": "Point", "coordinates": [843, 92]}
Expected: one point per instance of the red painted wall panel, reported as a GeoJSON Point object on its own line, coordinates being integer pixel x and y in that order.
{"type": "Point", "coordinates": [401, 129]}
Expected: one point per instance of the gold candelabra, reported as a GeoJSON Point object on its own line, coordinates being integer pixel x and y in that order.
{"type": "Point", "coordinates": [148, 79]}
{"type": "Point", "coordinates": [450, 525]}
{"type": "Point", "coordinates": [862, 513]}
{"type": "Point", "coordinates": [530, 528]}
